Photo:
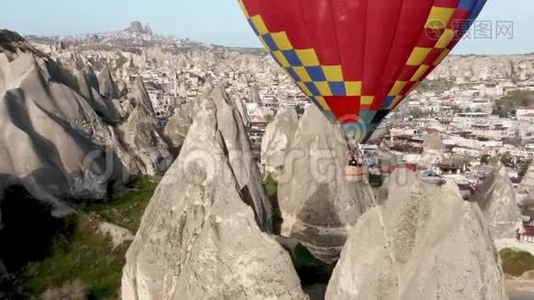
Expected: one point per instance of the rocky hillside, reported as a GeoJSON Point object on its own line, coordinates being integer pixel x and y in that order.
{"type": "Point", "coordinates": [69, 137]}
{"type": "Point", "coordinates": [277, 140]}
{"type": "Point", "coordinates": [317, 203]}
{"type": "Point", "coordinates": [497, 200]}
{"type": "Point", "coordinates": [68, 132]}
{"type": "Point", "coordinates": [201, 236]}
{"type": "Point", "coordinates": [527, 184]}
{"type": "Point", "coordinates": [424, 242]}
{"type": "Point", "coordinates": [480, 68]}
{"type": "Point", "coordinates": [526, 189]}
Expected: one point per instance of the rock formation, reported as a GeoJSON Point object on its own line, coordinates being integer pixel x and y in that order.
{"type": "Point", "coordinates": [496, 198]}
{"type": "Point", "coordinates": [526, 189]}
{"type": "Point", "coordinates": [242, 110]}
{"type": "Point", "coordinates": [198, 238]}
{"type": "Point", "coordinates": [116, 234]}
{"type": "Point", "coordinates": [62, 136]}
{"type": "Point", "coordinates": [424, 242]}
{"type": "Point", "coordinates": [178, 125]}
{"type": "Point", "coordinates": [50, 157]}
{"type": "Point", "coordinates": [527, 184]}
{"type": "Point", "coordinates": [88, 88]}
{"type": "Point", "coordinates": [137, 27]}
{"type": "Point", "coordinates": [276, 141]}
{"type": "Point", "coordinates": [465, 68]}
{"type": "Point", "coordinates": [433, 149]}
{"type": "Point", "coordinates": [108, 86]}
{"type": "Point", "coordinates": [3, 270]}
{"type": "Point", "coordinates": [237, 145]}
{"type": "Point", "coordinates": [317, 204]}
{"type": "Point", "coordinates": [12, 45]}
{"type": "Point", "coordinates": [51, 134]}
{"type": "Point", "coordinates": [73, 291]}
{"type": "Point", "coordinates": [141, 132]}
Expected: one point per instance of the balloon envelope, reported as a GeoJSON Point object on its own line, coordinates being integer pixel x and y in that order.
{"type": "Point", "coordinates": [358, 59]}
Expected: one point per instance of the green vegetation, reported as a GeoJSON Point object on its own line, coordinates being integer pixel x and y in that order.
{"type": "Point", "coordinates": [516, 262]}
{"type": "Point", "coordinates": [300, 109]}
{"type": "Point", "coordinates": [507, 105]}
{"type": "Point", "coordinates": [271, 189]}
{"type": "Point", "coordinates": [436, 85]}
{"type": "Point", "coordinates": [507, 159]}
{"type": "Point", "coordinates": [121, 61]}
{"type": "Point", "coordinates": [271, 186]}
{"type": "Point", "coordinates": [524, 168]}
{"type": "Point", "coordinates": [376, 180]}
{"type": "Point", "coordinates": [85, 256]}
{"type": "Point", "coordinates": [79, 255]}
{"type": "Point", "coordinates": [127, 208]}
{"type": "Point", "coordinates": [268, 118]}
{"type": "Point", "coordinates": [310, 269]}
{"type": "Point", "coordinates": [418, 113]}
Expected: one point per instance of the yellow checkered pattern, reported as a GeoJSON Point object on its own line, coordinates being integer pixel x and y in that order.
{"type": "Point", "coordinates": [303, 65]}
{"type": "Point", "coordinates": [317, 80]}
{"type": "Point", "coordinates": [438, 19]}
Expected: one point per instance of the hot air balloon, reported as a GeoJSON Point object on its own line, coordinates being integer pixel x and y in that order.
{"type": "Point", "coordinates": [358, 59]}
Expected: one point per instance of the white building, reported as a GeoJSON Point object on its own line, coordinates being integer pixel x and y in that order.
{"type": "Point", "coordinates": [525, 114]}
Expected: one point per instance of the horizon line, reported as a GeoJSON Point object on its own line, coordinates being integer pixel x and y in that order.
{"type": "Point", "coordinates": [259, 47]}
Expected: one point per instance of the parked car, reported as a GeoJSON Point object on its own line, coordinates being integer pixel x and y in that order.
{"type": "Point", "coordinates": [432, 177]}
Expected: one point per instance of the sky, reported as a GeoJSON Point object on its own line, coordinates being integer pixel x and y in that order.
{"type": "Point", "coordinates": [221, 21]}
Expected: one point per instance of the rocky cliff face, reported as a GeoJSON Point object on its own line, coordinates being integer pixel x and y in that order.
{"type": "Point", "coordinates": [141, 134]}
{"type": "Point", "coordinates": [526, 188]}
{"type": "Point", "coordinates": [52, 135]}
{"type": "Point", "coordinates": [88, 87]}
{"type": "Point", "coordinates": [48, 156]}
{"type": "Point", "coordinates": [62, 136]}
{"type": "Point", "coordinates": [199, 239]}
{"type": "Point", "coordinates": [481, 67]}
{"type": "Point", "coordinates": [242, 110]}
{"type": "Point", "coordinates": [497, 200]}
{"type": "Point", "coordinates": [237, 145]}
{"type": "Point", "coordinates": [318, 205]}
{"type": "Point", "coordinates": [276, 141]}
{"type": "Point", "coordinates": [527, 184]}
{"type": "Point", "coordinates": [178, 125]}
{"type": "Point", "coordinates": [424, 242]}
{"type": "Point", "coordinates": [108, 87]}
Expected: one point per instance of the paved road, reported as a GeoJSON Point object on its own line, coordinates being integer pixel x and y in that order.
{"type": "Point", "coordinates": [522, 296]}
{"type": "Point", "coordinates": [520, 289]}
